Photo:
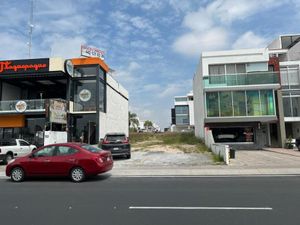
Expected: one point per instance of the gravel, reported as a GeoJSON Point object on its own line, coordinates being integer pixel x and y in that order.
{"type": "Point", "coordinates": [163, 159]}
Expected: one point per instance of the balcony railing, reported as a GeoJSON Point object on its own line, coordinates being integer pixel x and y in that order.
{"type": "Point", "coordinates": [32, 105]}
{"type": "Point", "coordinates": [257, 78]}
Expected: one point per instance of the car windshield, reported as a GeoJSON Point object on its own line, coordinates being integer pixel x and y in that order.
{"type": "Point", "coordinates": [115, 137]}
{"type": "Point", "coordinates": [91, 148]}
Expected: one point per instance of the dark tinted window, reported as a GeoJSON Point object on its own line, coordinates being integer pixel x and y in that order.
{"type": "Point", "coordinates": [65, 150]}
{"type": "Point", "coordinates": [91, 148]}
{"type": "Point", "coordinates": [45, 152]}
{"type": "Point", "coordinates": [23, 143]}
{"type": "Point", "coordinates": [115, 137]}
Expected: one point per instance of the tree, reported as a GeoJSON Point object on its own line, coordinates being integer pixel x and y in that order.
{"type": "Point", "coordinates": [148, 124]}
{"type": "Point", "coordinates": [133, 120]}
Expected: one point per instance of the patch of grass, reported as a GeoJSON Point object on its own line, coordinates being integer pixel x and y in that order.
{"type": "Point", "coordinates": [185, 142]}
{"type": "Point", "coordinates": [146, 144]}
{"type": "Point", "coordinates": [141, 137]}
{"type": "Point", "coordinates": [218, 158]}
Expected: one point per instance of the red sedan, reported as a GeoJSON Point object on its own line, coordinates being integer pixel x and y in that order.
{"type": "Point", "coordinates": [75, 160]}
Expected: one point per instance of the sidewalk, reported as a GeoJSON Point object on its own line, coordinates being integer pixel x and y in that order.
{"type": "Point", "coordinates": [292, 152]}
{"type": "Point", "coordinates": [217, 171]}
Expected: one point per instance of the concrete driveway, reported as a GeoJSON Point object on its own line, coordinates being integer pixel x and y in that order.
{"type": "Point", "coordinates": [270, 158]}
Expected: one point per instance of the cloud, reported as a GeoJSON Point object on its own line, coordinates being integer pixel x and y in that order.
{"type": "Point", "coordinates": [249, 40]}
{"type": "Point", "coordinates": [173, 89]}
{"type": "Point", "coordinates": [228, 11]}
{"type": "Point", "coordinates": [13, 46]}
{"type": "Point", "coordinates": [128, 24]}
{"type": "Point", "coordinates": [192, 43]}
{"type": "Point", "coordinates": [209, 28]}
{"type": "Point", "coordinates": [66, 47]}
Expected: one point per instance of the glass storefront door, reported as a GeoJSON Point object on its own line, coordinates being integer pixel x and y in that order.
{"type": "Point", "coordinates": [83, 128]}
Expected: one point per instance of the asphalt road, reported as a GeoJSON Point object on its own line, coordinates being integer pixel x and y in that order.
{"type": "Point", "coordinates": [109, 200]}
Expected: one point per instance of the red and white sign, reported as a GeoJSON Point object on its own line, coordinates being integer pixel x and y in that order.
{"type": "Point", "coordinates": [92, 52]}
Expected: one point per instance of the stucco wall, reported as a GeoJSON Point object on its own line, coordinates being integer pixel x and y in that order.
{"type": "Point", "coordinates": [198, 102]}
{"type": "Point", "coordinates": [116, 117]}
{"type": "Point", "coordinates": [56, 64]}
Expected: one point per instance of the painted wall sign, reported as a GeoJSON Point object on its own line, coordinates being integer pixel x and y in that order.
{"type": "Point", "coordinates": [21, 106]}
{"type": "Point", "coordinates": [92, 52]}
{"type": "Point", "coordinates": [85, 95]}
{"type": "Point", "coordinates": [24, 66]}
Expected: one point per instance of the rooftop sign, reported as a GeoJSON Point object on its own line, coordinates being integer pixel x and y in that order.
{"type": "Point", "coordinates": [92, 52]}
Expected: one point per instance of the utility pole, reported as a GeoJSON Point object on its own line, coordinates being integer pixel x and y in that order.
{"type": "Point", "coordinates": [31, 26]}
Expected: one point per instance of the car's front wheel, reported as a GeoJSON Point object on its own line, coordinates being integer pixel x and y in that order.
{"type": "Point", "coordinates": [77, 174]}
{"type": "Point", "coordinates": [17, 174]}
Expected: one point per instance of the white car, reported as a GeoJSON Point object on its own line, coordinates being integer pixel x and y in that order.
{"type": "Point", "coordinates": [13, 148]}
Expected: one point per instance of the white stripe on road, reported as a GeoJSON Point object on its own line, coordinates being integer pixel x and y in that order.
{"type": "Point", "coordinates": [198, 208]}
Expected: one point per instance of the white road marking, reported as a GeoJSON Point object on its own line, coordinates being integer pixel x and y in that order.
{"type": "Point", "coordinates": [198, 208]}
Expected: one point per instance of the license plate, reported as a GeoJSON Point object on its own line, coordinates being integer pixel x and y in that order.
{"type": "Point", "coordinates": [115, 148]}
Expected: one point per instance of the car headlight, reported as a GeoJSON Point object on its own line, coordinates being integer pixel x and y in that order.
{"type": "Point", "coordinates": [11, 161]}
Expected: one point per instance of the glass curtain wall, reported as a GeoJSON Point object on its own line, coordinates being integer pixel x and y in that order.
{"type": "Point", "coordinates": [226, 103]}
{"type": "Point", "coordinates": [85, 89]}
{"type": "Point", "coordinates": [240, 103]}
{"type": "Point", "coordinates": [291, 105]}
{"type": "Point", "coordinates": [253, 103]}
{"type": "Point", "coordinates": [212, 104]}
{"type": "Point", "coordinates": [239, 106]}
{"type": "Point", "coordinates": [182, 114]}
{"type": "Point", "coordinates": [290, 79]}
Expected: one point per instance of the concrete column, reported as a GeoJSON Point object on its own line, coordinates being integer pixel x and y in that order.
{"type": "Point", "coordinates": [268, 134]}
{"type": "Point", "coordinates": [281, 124]}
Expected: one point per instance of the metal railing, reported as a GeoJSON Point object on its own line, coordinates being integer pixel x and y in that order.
{"type": "Point", "coordinates": [256, 78]}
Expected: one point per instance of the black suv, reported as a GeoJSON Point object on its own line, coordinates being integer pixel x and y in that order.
{"type": "Point", "coordinates": [117, 144]}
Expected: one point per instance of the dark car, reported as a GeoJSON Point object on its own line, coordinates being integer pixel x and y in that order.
{"type": "Point", "coordinates": [117, 144]}
{"type": "Point", "coordinates": [298, 143]}
{"type": "Point", "coordinates": [75, 160]}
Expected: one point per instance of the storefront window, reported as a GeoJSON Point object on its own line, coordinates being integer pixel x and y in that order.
{"type": "Point", "coordinates": [102, 94]}
{"type": "Point", "coordinates": [212, 103]}
{"type": "Point", "coordinates": [267, 102]}
{"type": "Point", "coordinates": [85, 95]}
{"type": "Point", "coordinates": [239, 103]}
{"type": "Point", "coordinates": [84, 128]}
{"type": "Point", "coordinates": [226, 103]}
{"type": "Point", "coordinates": [253, 104]}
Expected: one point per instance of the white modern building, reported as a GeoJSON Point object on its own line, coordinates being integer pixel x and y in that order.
{"type": "Point", "coordinates": [287, 49]}
{"type": "Point", "coordinates": [183, 113]}
{"type": "Point", "coordinates": [49, 98]}
{"type": "Point", "coordinates": [250, 97]}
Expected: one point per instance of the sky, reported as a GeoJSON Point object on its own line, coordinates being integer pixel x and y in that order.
{"type": "Point", "coordinates": [154, 46]}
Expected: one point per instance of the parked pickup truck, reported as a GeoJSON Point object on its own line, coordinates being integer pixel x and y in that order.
{"type": "Point", "coordinates": [13, 148]}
